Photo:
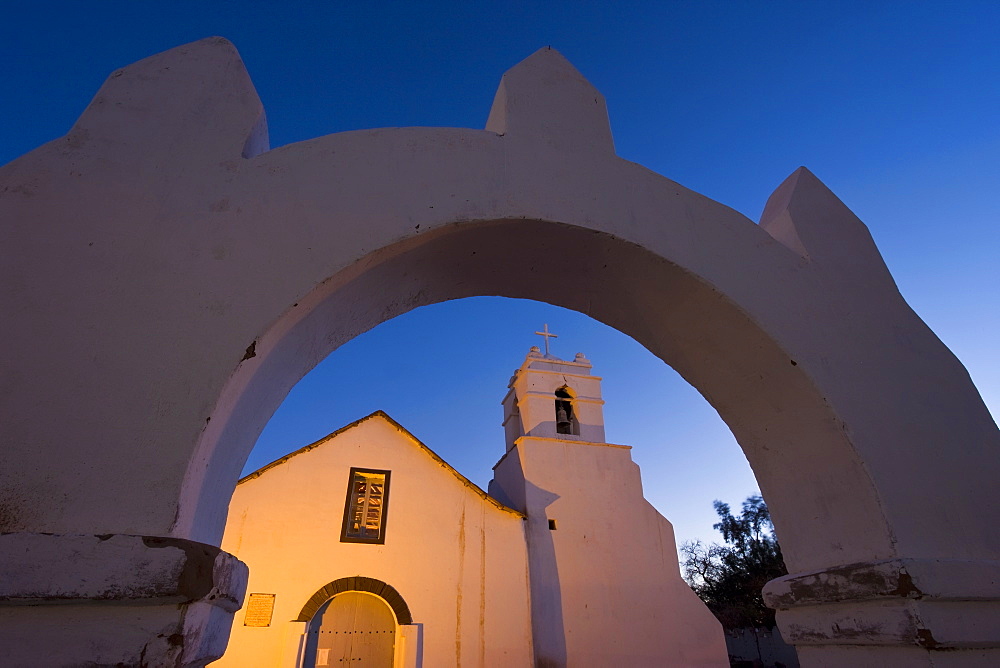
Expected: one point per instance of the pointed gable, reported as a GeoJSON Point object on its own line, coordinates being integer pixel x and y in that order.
{"type": "Point", "coordinates": [397, 435]}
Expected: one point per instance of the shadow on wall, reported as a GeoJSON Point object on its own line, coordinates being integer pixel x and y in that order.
{"type": "Point", "coordinates": [547, 625]}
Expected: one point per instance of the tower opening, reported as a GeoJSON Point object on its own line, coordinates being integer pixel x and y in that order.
{"type": "Point", "coordinates": [565, 420]}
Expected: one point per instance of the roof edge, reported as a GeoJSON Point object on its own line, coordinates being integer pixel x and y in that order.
{"type": "Point", "coordinates": [416, 441]}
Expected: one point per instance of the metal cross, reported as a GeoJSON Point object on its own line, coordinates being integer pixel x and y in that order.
{"type": "Point", "coordinates": [547, 336]}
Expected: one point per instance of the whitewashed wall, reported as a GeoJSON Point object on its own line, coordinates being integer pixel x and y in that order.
{"type": "Point", "coordinates": [457, 558]}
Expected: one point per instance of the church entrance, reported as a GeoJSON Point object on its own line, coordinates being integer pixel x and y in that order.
{"type": "Point", "coordinates": [352, 629]}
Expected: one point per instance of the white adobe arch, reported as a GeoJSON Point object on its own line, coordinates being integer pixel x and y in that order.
{"type": "Point", "coordinates": [169, 279]}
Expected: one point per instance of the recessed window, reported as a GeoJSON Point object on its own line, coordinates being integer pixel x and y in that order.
{"type": "Point", "coordinates": [552, 525]}
{"type": "Point", "coordinates": [566, 422]}
{"type": "Point", "coordinates": [367, 503]}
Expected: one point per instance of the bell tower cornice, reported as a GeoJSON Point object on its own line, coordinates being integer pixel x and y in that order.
{"type": "Point", "coordinates": [554, 398]}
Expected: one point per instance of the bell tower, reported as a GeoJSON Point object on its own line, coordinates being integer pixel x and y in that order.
{"type": "Point", "coordinates": [597, 550]}
{"type": "Point", "coordinates": [551, 398]}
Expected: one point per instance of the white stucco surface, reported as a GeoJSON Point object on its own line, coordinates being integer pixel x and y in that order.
{"type": "Point", "coordinates": [606, 589]}
{"type": "Point", "coordinates": [456, 557]}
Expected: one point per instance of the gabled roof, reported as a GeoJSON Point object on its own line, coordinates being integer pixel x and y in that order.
{"type": "Point", "coordinates": [410, 437]}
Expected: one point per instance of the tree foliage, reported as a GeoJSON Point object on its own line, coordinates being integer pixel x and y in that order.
{"type": "Point", "coordinates": [729, 578]}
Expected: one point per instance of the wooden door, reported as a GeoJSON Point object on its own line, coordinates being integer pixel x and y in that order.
{"type": "Point", "coordinates": [353, 629]}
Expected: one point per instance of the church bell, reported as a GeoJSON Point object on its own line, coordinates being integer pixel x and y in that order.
{"type": "Point", "coordinates": [562, 421]}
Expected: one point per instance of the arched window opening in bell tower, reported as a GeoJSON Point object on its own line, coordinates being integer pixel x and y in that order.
{"type": "Point", "coordinates": [566, 422]}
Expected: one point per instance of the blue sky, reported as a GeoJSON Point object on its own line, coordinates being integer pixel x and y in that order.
{"type": "Point", "coordinates": [894, 106]}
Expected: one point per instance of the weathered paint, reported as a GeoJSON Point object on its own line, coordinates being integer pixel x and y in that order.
{"type": "Point", "coordinates": [135, 584]}
{"type": "Point", "coordinates": [289, 535]}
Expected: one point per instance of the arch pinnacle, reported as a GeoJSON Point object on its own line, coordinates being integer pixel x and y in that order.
{"type": "Point", "coordinates": [545, 99]}
{"type": "Point", "coordinates": [807, 217]}
{"type": "Point", "coordinates": [179, 102]}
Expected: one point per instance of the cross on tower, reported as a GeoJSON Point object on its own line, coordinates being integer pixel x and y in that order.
{"type": "Point", "coordinates": [547, 336]}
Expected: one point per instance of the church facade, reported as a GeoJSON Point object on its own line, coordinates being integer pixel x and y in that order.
{"type": "Point", "coordinates": [367, 548]}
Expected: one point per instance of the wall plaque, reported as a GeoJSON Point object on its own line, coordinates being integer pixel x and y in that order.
{"type": "Point", "coordinates": [259, 609]}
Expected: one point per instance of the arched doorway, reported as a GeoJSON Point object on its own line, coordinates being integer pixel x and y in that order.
{"type": "Point", "coordinates": [353, 619]}
{"type": "Point", "coordinates": [352, 628]}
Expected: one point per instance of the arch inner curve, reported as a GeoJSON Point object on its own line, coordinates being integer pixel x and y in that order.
{"type": "Point", "coordinates": [807, 468]}
{"type": "Point", "coordinates": [357, 583]}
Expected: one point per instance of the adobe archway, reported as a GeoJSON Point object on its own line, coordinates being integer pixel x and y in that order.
{"type": "Point", "coordinates": [357, 583]}
{"type": "Point", "coordinates": [197, 276]}
{"type": "Point", "coordinates": [383, 592]}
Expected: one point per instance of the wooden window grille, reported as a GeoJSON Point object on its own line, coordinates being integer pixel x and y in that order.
{"type": "Point", "coordinates": [366, 507]}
